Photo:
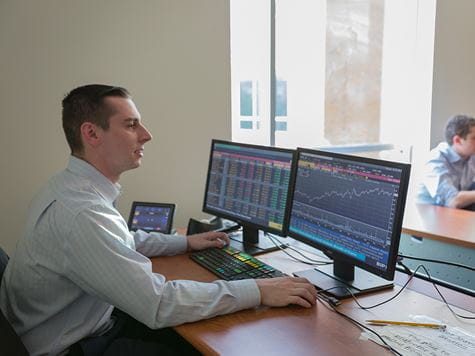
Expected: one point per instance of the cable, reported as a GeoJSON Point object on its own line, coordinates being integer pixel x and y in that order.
{"type": "Point", "coordinates": [354, 321]}
{"type": "Point", "coordinates": [435, 261]}
{"type": "Point", "coordinates": [313, 263]}
{"type": "Point", "coordinates": [244, 242]}
{"type": "Point", "coordinates": [333, 305]}
{"type": "Point", "coordinates": [400, 291]}
{"type": "Point", "coordinates": [308, 258]}
{"type": "Point", "coordinates": [438, 291]}
{"type": "Point", "coordinates": [273, 237]}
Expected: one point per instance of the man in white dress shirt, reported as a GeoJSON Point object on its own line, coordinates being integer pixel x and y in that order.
{"type": "Point", "coordinates": [77, 260]}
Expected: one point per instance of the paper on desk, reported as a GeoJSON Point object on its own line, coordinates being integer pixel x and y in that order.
{"type": "Point", "coordinates": [412, 341]}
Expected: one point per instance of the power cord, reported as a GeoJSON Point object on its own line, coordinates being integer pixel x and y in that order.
{"type": "Point", "coordinates": [438, 291]}
{"type": "Point", "coordinates": [243, 242]}
{"type": "Point", "coordinates": [333, 303]}
{"type": "Point", "coordinates": [312, 263]}
{"type": "Point", "coordinates": [400, 257]}
{"type": "Point", "coordinates": [354, 321]}
{"type": "Point", "coordinates": [400, 291]}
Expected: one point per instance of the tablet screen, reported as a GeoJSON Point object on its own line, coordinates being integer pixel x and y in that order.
{"type": "Point", "coordinates": [151, 217]}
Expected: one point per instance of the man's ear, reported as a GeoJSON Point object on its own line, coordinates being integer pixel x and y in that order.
{"type": "Point", "coordinates": [457, 140]}
{"type": "Point", "coordinates": [90, 134]}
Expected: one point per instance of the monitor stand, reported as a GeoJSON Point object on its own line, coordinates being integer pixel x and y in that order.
{"type": "Point", "coordinates": [342, 276]}
{"type": "Point", "coordinates": [252, 241]}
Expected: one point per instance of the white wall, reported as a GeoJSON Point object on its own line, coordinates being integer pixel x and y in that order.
{"type": "Point", "coordinates": [454, 64]}
{"type": "Point", "coordinates": [172, 55]}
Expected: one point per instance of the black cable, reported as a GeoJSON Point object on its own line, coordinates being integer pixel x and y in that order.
{"type": "Point", "coordinates": [403, 287]}
{"type": "Point", "coordinates": [314, 263]}
{"type": "Point", "coordinates": [378, 304]}
{"type": "Point", "coordinates": [406, 269]}
{"type": "Point", "coordinates": [244, 242]}
{"type": "Point", "coordinates": [438, 291]}
{"type": "Point", "coordinates": [308, 258]}
{"type": "Point", "coordinates": [299, 252]}
{"type": "Point", "coordinates": [435, 261]}
{"type": "Point", "coordinates": [354, 321]}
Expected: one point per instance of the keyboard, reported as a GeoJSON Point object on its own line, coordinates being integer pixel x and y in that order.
{"type": "Point", "coordinates": [231, 264]}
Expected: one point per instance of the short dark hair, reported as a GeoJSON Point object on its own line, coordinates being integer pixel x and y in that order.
{"type": "Point", "coordinates": [86, 104]}
{"type": "Point", "coordinates": [458, 125]}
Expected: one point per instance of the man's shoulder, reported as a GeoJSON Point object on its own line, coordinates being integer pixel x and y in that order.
{"type": "Point", "coordinates": [73, 193]}
{"type": "Point", "coordinates": [442, 153]}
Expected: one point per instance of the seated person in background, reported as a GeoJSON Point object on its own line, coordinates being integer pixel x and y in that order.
{"type": "Point", "coordinates": [450, 172]}
{"type": "Point", "coordinates": [77, 261]}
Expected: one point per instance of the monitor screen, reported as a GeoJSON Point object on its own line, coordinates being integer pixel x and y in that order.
{"type": "Point", "coordinates": [157, 217]}
{"type": "Point", "coordinates": [249, 184]}
{"type": "Point", "coordinates": [351, 208]}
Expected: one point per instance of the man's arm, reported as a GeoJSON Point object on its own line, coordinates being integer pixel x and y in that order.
{"type": "Point", "coordinates": [439, 182]}
{"type": "Point", "coordinates": [275, 292]}
{"type": "Point", "coordinates": [156, 244]}
{"type": "Point", "coordinates": [462, 199]}
{"type": "Point", "coordinates": [102, 263]}
{"type": "Point", "coordinates": [207, 240]}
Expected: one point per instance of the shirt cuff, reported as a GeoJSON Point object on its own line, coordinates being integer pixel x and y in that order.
{"type": "Point", "coordinates": [178, 243]}
{"type": "Point", "coordinates": [247, 293]}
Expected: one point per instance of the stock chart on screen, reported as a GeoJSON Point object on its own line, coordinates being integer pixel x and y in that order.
{"type": "Point", "coordinates": [346, 205]}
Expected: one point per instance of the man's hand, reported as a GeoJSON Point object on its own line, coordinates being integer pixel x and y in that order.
{"type": "Point", "coordinates": [282, 291]}
{"type": "Point", "coordinates": [206, 240]}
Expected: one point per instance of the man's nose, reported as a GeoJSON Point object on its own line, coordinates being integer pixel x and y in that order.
{"type": "Point", "coordinates": [146, 135]}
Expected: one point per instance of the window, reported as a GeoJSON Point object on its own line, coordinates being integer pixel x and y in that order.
{"type": "Point", "coordinates": [246, 98]}
{"type": "Point", "coordinates": [332, 72]}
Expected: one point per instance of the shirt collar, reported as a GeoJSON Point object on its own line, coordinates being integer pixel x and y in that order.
{"type": "Point", "coordinates": [451, 155]}
{"type": "Point", "coordinates": [104, 186]}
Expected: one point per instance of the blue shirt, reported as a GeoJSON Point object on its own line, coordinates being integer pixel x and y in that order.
{"type": "Point", "coordinates": [77, 259]}
{"type": "Point", "coordinates": [446, 174]}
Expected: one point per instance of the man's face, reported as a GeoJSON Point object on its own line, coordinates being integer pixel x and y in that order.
{"type": "Point", "coordinates": [466, 146]}
{"type": "Point", "coordinates": [122, 144]}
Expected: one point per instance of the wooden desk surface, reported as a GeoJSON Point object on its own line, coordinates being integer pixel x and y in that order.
{"type": "Point", "coordinates": [453, 226]}
{"type": "Point", "coordinates": [298, 331]}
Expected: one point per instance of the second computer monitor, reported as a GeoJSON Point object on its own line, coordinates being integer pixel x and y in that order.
{"type": "Point", "coordinates": [249, 184]}
{"type": "Point", "coordinates": [351, 208]}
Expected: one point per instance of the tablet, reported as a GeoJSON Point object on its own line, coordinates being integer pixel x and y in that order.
{"type": "Point", "coordinates": [151, 217]}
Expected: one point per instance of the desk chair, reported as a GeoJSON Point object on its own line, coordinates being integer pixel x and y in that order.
{"type": "Point", "coordinates": [10, 342]}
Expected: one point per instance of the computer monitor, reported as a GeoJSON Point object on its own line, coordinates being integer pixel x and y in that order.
{"type": "Point", "coordinates": [351, 208]}
{"type": "Point", "coordinates": [151, 217]}
{"type": "Point", "coordinates": [249, 184]}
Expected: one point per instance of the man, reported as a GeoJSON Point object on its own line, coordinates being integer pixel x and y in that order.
{"type": "Point", "coordinates": [450, 171]}
{"type": "Point", "coordinates": [77, 260]}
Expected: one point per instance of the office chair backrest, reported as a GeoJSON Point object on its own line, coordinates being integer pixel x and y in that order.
{"type": "Point", "coordinates": [10, 342]}
{"type": "Point", "coordinates": [3, 262]}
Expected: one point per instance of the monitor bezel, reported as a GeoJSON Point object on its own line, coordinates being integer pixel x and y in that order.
{"type": "Point", "coordinates": [169, 206]}
{"type": "Point", "coordinates": [245, 223]}
{"type": "Point", "coordinates": [387, 274]}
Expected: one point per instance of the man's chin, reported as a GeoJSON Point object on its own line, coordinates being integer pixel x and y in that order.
{"type": "Point", "coordinates": [135, 164]}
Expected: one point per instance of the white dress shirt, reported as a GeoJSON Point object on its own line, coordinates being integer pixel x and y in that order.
{"type": "Point", "coordinates": [77, 260]}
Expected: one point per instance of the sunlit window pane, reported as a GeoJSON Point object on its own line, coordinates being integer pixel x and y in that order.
{"type": "Point", "coordinates": [347, 72]}
{"type": "Point", "coordinates": [246, 98]}
{"type": "Point", "coordinates": [354, 39]}
{"type": "Point", "coordinates": [281, 98]}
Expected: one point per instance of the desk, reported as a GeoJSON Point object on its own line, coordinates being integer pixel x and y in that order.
{"type": "Point", "coordinates": [298, 331]}
{"type": "Point", "coordinates": [452, 226]}
{"type": "Point", "coordinates": [440, 233]}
